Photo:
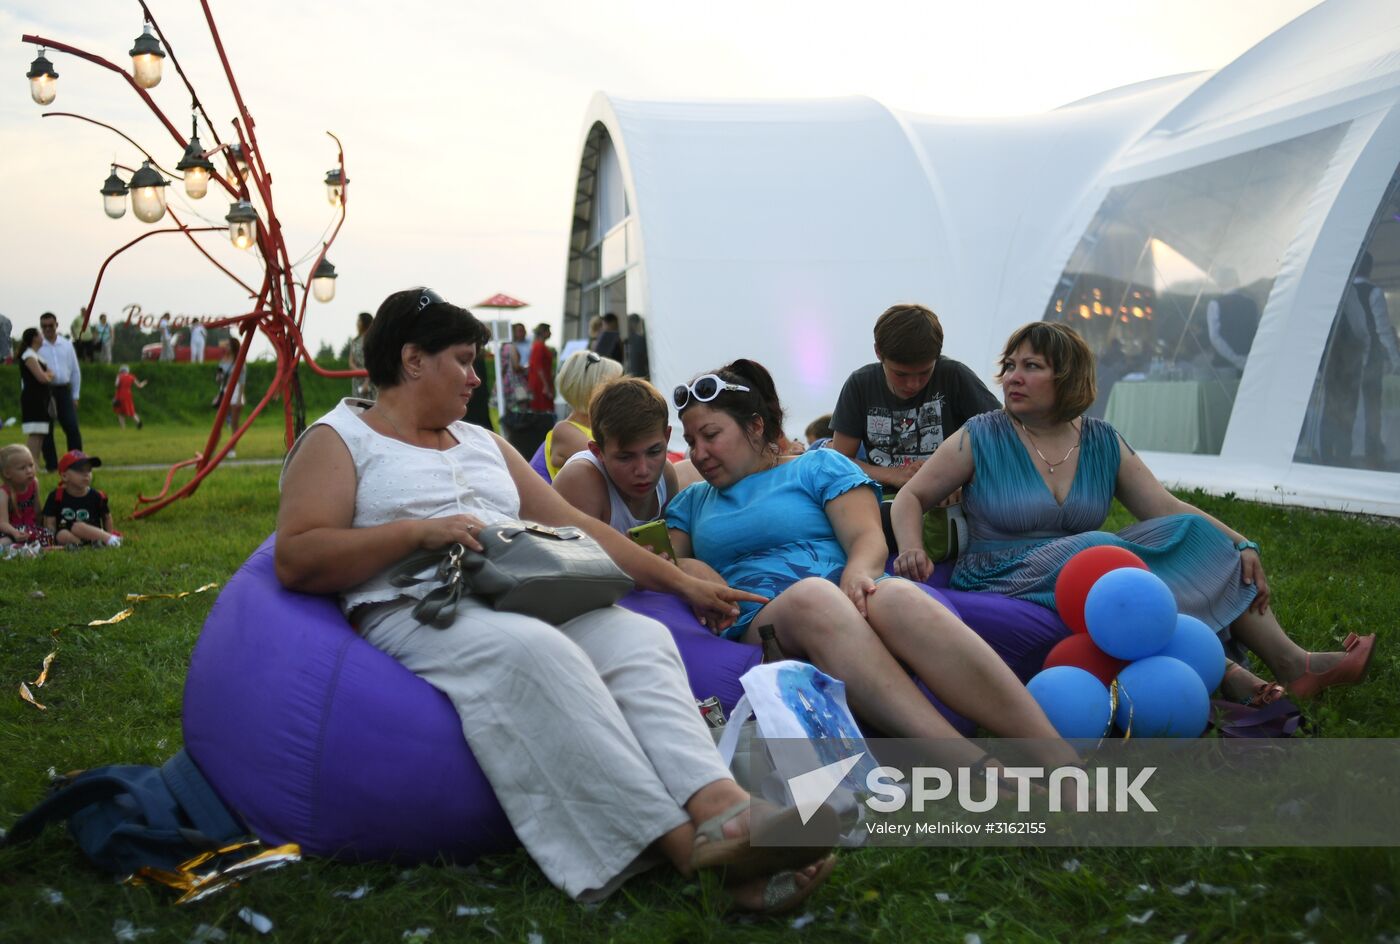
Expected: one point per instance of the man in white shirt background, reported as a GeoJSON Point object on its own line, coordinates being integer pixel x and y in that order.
{"type": "Point", "coordinates": [167, 340]}
{"type": "Point", "coordinates": [197, 337]}
{"type": "Point", "coordinates": [67, 384]}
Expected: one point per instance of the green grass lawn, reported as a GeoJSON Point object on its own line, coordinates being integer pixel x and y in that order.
{"type": "Point", "coordinates": [115, 695]}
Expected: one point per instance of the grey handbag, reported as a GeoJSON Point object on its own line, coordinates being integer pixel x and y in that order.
{"type": "Point", "coordinates": [553, 574]}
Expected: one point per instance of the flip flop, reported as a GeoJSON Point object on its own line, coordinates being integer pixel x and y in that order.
{"type": "Point", "coordinates": [776, 843]}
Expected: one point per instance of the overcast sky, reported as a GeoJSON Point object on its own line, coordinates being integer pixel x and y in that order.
{"type": "Point", "coordinates": [462, 121]}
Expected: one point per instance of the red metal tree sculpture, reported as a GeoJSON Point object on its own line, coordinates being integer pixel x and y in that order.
{"type": "Point", "coordinates": [274, 309]}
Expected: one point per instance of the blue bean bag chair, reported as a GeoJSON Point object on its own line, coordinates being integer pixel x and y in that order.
{"type": "Point", "coordinates": [315, 736]}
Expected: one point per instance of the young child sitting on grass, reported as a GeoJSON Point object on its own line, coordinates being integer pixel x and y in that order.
{"type": "Point", "coordinates": [76, 512]}
{"type": "Point", "coordinates": [623, 477]}
{"type": "Point", "coordinates": [19, 498]}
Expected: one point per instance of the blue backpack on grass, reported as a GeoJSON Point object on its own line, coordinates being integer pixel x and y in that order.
{"type": "Point", "coordinates": [128, 816]}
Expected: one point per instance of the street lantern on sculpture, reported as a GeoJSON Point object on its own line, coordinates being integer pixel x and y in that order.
{"type": "Point", "coordinates": [43, 81]}
{"type": "Point", "coordinates": [335, 185]}
{"type": "Point", "coordinates": [146, 56]}
{"type": "Point", "coordinates": [196, 167]}
{"type": "Point", "coordinates": [242, 224]}
{"type": "Point", "coordinates": [323, 281]}
{"type": "Point", "coordinates": [148, 193]}
{"type": "Point", "coordinates": [114, 195]}
{"type": "Point", "coordinates": [237, 163]}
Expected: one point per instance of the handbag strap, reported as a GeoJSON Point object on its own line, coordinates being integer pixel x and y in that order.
{"type": "Point", "coordinates": [450, 566]}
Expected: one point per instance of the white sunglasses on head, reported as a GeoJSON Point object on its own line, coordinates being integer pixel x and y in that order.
{"type": "Point", "coordinates": [703, 389]}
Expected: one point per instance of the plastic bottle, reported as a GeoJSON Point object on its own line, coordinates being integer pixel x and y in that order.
{"type": "Point", "coordinates": [768, 639]}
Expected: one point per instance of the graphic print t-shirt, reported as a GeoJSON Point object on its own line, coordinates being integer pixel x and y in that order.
{"type": "Point", "coordinates": [898, 432]}
{"type": "Point", "coordinates": [91, 508]}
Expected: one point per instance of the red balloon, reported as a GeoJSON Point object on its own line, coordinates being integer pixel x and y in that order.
{"type": "Point", "coordinates": [1078, 576]}
{"type": "Point", "coordinates": [1079, 651]}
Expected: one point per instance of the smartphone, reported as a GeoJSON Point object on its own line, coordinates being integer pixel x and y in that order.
{"type": "Point", "coordinates": [654, 537]}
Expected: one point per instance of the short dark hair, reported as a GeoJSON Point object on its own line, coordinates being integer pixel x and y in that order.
{"type": "Point", "coordinates": [908, 334]}
{"type": "Point", "coordinates": [48, 314]}
{"type": "Point", "coordinates": [27, 338]}
{"type": "Point", "coordinates": [399, 322]}
{"type": "Point", "coordinates": [1068, 354]}
{"type": "Point", "coordinates": [760, 400]}
{"type": "Point", "coordinates": [610, 319]}
{"type": "Point", "coordinates": [363, 321]}
{"type": "Point", "coordinates": [626, 409]}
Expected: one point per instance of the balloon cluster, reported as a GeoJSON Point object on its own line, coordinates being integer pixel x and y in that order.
{"type": "Point", "coordinates": [1126, 629]}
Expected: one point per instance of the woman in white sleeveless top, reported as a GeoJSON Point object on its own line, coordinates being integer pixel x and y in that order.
{"type": "Point", "coordinates": [587, 731]}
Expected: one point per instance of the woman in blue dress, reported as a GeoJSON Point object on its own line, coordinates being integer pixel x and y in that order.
{"type": "Point", "coordinates": [806, 532]}
{"type": "Point", "coordinates": [1038, 478]}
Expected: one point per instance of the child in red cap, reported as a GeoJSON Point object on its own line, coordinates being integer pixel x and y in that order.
{"type": "Point", "coordinates": [76, 512]}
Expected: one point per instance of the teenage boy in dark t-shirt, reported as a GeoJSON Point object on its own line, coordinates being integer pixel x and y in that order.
{"type": "Point", "coordinates": [905, 405]}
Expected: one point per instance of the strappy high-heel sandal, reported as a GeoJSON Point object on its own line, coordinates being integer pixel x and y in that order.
{"type": "Point", "coordinates": [1264, 693]}
{"type": "Point", "coordinates": [1350, 670]}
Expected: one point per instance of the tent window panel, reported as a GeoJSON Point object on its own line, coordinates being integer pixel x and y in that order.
{"type": "Point", "coordinates": [1168, 283]}
{"type": "Point", "coordinates": [1353, 418]}
{"type": "Point", "coordinates": [614, 256]}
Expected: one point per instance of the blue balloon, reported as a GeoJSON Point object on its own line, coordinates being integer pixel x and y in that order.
{"type": "Point", "coordinates": [1130, 613]}
{"type": "Point", "coordinates": [1076, 703]}
{"type": "Point", "coordinates": [1196, 644]}
{"type": "Point", "coordinates": [1162, 697]}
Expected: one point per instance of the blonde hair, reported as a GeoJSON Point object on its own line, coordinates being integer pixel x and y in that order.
{"type": "Point", "coordinates": [583, 373]}
{"type": "Point", "coordinates": [10, 453]}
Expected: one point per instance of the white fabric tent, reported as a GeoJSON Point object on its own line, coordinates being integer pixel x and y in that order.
{"type": "Point", "coordinates": [780, 230]}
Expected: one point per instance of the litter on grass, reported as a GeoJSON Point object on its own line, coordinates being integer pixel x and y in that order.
{"type": "Point", "coordinates": [260, 923]}
{"type": "Point", "coordinates": [124, 930]}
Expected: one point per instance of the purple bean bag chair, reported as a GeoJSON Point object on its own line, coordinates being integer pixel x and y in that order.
{"type": "Point", "coordinates": [538, 464]}
{"type": "Point", "coordinates": [1021, 632]}
{"type": "Point", "coordinates": [315, 736]}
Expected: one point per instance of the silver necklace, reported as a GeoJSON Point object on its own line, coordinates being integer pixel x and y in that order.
{"type": "Point", "coordinates": [1050, 466]}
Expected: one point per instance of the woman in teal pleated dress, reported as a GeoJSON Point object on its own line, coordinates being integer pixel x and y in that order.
{"type": "Point", "coordinates": [1038, 478]}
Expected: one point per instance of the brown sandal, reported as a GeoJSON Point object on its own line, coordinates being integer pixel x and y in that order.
{"type": "Point", "coordinates": [1265, 693]}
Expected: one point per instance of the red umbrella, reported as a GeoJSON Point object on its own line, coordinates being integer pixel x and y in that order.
{"type": "Point", "coordinates": [501, 301]}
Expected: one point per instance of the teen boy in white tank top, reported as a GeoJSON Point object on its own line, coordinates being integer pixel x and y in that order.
{"type": "Point", "coordinates": [623, 477]}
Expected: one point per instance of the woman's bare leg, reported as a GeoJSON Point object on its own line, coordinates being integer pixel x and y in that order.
{"type": "Point", "coordinates": [1263, 635]}
{"type": "Point", "coordinates": [959, 666]}
{"type": "Point", "coordinates": [815, 621]}
{"type": "Point", "coordinates": [36, 448]}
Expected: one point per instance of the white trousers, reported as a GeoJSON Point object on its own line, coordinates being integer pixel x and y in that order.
{"type": "Point", "coordinates": [587, 732]}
